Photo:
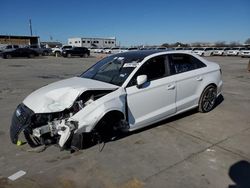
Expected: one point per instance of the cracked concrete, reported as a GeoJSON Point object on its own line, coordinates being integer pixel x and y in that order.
{"type": "Point", "coordinates": [190, 150]}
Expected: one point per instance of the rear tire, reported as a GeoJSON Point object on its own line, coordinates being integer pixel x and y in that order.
{"type": "Point", "coordinates": [57, 54]}
{"type": "Point", "coordinates": [208, 99]}
{"type": "Point", "coordinates": [45, 53]}
{"type": "Point", "coordinates": [31, 55]}
{"type": "Point", "coordinates": [8, 56]}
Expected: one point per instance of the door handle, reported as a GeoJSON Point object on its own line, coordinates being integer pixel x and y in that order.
{"type": "Point", "coordinates": [199, 78]}
{"type": "Point", "coordinates": [171, 86]}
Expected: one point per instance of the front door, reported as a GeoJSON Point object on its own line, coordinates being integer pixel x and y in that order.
{"type": "Point", "coordinates": [155, 99]}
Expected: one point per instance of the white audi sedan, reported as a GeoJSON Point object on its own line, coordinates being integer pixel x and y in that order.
{"type": "Point", "coordinates": [120, 93]}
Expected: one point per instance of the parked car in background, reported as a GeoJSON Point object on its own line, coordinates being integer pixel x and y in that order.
{"type": "Point", "coordinates": [115, 50]}
{"type": "Point", "coordinates": [98, 50]}
{"type": "Point", "coordinates": [218, 51]}
{"type": "Point", "coordinates": [225, 50]}
{"type": "Point", "coordinates": [245, 53]}
{"type": "Point", "coordinates": [123, 50]}
{"type": "Point", "coordinates": [58, 51]}
{"type": "Point", "coordinates": [92, 49]}
{"type": "Point", "coordinates": [145, 48]}
{"type": "Point", "coordinates": [161, 48]}
{"type": "Point", "coordinates": [19, 52]}
{"type": "Point", "coordinates": [8, 47]}
{"type": "Point", "coordinates": [203, 51]}
{"type": "Point", "coordinates": [40, 50]}
{"type": "Point", "coordinates": [208, 51]}
{"type": "Point", "coordinates": [122, 92]}
{"type": "Point", "coordinates": [198, 51]}
{"type": "Point", "coordinates": [107, 50]}
{"type": "Point", "coordinates": [76, 51]}
{"type": "Point", "coordinates": [188, 49]}
{"type": "Point", "coordinates": [235, 51]}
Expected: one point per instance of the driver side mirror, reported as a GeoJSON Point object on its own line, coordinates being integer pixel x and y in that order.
{"type": "Point", "coordinates": [140, 80]}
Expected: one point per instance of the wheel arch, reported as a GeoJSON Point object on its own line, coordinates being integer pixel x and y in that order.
{"type": "Point", "coordinates": [113, 113]}
{"type": "Point", "coordinates": [202, 94]}
{"type": "Point", "coordinates": [206, 86]}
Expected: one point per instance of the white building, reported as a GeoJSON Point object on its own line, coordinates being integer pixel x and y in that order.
{"type": "Point", "coordinates": [109, 42]}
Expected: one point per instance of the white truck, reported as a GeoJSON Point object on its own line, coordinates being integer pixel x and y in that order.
{"type": "Point", "coordinates": [57, 51]}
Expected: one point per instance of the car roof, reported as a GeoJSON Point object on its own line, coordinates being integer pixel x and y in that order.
{"type": "Point", "coordinates": [140, 54]}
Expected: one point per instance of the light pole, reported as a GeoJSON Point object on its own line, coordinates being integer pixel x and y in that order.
{"type": "Point", "coordinates": [30, 27]}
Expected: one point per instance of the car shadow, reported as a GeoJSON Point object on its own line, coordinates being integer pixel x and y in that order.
{"type": "Point", "coordinates": [218, 101]}
{"type": "Point", "coordinates": [121, 135]}
{"type": "Point", "coordinates": [240, 174]}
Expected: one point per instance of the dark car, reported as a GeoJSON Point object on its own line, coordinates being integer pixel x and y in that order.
{"type": "Point", "coordinates": [76, 51]}
{"type": "Point", "coordinates": [8, 48]}
{"type": "Point", "coordinates": [20, 52]}
{"type": "Point", "coordinates": [40, 50]}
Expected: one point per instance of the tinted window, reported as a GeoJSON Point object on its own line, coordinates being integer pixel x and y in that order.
{"type": "Point", "coordinates": [154, 69]}
{"type": "Point", "coordinates": [207, 49]}
{"type": "Point", "coordinates": [182, 63]}
{"type": "Point", "coordinates": [66, 47]}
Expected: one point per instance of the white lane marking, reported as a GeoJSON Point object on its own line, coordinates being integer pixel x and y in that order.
{"type": "Point", "coordinates": [17, 175]}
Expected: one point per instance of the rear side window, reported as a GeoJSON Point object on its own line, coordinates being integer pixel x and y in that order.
{"type": "Point", "coordinates": [180, 63]}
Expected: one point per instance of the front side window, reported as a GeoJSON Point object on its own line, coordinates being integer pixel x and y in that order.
{"type": "Point", "coordinates": [154, 68]}
{"type": "Point", "coordinates": [180, 63]}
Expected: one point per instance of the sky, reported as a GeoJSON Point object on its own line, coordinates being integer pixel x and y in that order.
{"type": "Point", "coordinates": [132, 22]}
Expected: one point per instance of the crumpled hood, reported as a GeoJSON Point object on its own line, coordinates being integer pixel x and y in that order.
{"type": "Point", "coordinates": [60, 95]}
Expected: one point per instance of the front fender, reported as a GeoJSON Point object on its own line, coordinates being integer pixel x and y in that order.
{"type": "Point", "coordinates": [90, 115]}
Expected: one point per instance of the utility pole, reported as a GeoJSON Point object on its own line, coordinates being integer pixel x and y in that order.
{"type": "Point", "coordinates": [30, 27]}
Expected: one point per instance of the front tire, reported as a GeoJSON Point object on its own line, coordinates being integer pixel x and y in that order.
{"type": "Point", "coordinates": [208, 99]}
{"type": "Point", "coordinates": [8, 56]}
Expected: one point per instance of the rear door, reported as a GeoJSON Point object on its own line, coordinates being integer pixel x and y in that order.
{"type": "Point", "coordinates": [17, 53]}
{"type": "Point", "coordinates": [187, 71]}
{"type": "Point", "coordinates": [155, 99]}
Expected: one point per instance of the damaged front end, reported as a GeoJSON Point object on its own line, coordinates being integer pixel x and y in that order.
{"type": "Point", "coordinates": [50, 128]}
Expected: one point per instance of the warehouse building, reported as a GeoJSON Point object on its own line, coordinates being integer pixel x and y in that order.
{"type": "Point", "coordinates": [109, 42]}
{"type": "Point", "coordinates": [19, 40]}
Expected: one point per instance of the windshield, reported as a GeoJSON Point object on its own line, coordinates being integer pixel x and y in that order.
{"type": "Point", "coordinates": [113, 69]}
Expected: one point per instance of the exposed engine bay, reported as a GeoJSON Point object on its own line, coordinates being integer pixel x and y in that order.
{"type": "Point", "coordinates": [50, 128]}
